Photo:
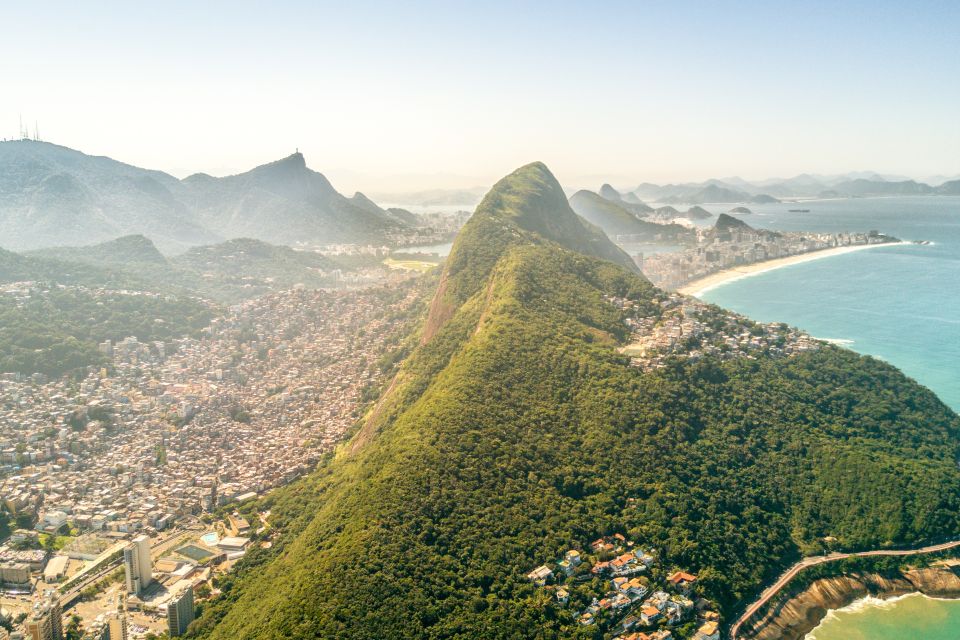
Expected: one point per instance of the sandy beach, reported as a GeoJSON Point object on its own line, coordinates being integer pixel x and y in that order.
{"type": "Point", "coordinates": [698, 287]}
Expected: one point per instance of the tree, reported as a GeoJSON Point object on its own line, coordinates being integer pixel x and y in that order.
{"type": "Point", "coordinates": [74, 629]}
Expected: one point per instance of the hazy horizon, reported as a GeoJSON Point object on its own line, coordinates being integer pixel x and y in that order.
{"type": "Point", "coordinates": [382, 98]}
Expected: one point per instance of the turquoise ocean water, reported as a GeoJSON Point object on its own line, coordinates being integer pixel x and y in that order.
{"type": "Point", "coordinates": [901, 304]}
{"type": "Point", "coordinates": [914, 617]}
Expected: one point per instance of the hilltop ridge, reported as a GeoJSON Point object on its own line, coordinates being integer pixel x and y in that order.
{"type": "Point", "coordinates": [55, 196]}
{"type": "Point", "coordinates": [517, 430]}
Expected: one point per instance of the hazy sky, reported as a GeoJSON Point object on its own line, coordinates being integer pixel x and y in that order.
{"type": "Point", "coordinates": [380, 95]}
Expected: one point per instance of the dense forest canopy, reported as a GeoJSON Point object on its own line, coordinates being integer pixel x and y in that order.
{"type": "Point", "coordinates": [517, 430]}
{"type": "Point", "coordinates": [56, 330]}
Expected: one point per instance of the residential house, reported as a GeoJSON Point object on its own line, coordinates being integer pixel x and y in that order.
{"type": "Point", "coordinates": [682, 581]}
{"type": "Point", "coordinates": [650, 615]}
{"type": "Point", "coordinates": [540, 575]}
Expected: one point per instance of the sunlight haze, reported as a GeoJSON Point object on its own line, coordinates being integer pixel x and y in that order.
{"type": "Point", "coordinates": [380, 97]}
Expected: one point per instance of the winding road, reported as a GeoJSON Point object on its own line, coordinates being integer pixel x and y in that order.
{"type": "Point", "coordinates": [792, 572]}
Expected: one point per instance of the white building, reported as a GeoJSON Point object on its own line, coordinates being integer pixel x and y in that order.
{"type": "Point", "coordinates": [137, 565]}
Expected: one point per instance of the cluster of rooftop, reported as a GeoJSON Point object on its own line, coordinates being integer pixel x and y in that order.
{"type": "Point", "coordinates": [622, 588]}
{"type": "Point", "coordinates": [735, 245]}
{"type": "Point", "coordinates": [684, 327]}
{"type": "Point", "coordinates": [172, 430]}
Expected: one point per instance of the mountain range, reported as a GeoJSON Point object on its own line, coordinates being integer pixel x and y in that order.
{"type": "Point", "coordinates": [737, 190]}
{"type": "Point", "coordinates": [616, 219]}
{"type": "Point", "coordinates": [52, 196]}
{"type": "Point", "coordinates": [517, 430]}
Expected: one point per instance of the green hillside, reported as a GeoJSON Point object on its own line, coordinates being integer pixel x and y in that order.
{"type": "Point", "coordinates": [244, 268]}
{"type": "Point", "coordinates": [616, 220]}
{"type": "Point", "coordinates": [225, 272]}
{"type": "Point", "coordinates": [123, 251]}
{"type": "Point", "coordinates": [15, 267]}
{"type": "Point", "coordinates": [83, 295]}
{"type": "Point", "coordinates": [516, 430]}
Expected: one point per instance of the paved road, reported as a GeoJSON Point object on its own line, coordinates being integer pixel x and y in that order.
{"type": "Point", "coordinates": [68, 598]}
{"type": "Point", "coordinates": [792, 572]}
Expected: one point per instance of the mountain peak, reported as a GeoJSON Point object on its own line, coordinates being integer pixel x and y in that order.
{"type": "Point", "coordinates": [293, 161]}
{"type": "Point", "coordinates": [296, 158]}
{"type": "Point", "coordinates": [608, 192]}
{"type": "Point", "coordinates": [526, 207]}
{"type": "Point", "coordinates": [726, 222]}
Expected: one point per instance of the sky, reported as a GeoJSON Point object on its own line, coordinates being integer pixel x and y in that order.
{"type": "Point", "coordinates": [399, 96]}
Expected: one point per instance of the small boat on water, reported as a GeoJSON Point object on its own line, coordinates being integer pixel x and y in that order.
{"type": "Point", "coordinates": [798, 210]}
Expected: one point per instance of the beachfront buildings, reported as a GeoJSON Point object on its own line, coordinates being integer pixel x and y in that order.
{"type": "Point", "coordinates": [137, 566]}
{"type": "Point", "coordinates": [737, 245]}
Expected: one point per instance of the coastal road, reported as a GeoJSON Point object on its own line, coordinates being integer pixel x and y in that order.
{"type": "Point", "coordinates": [792, 572]}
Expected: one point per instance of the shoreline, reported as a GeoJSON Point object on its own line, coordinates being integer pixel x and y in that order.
{"type": "Point", "coordinates": [878, 602]}
{"type": "Point", "coordinates": [800, 613]}
{"type": "Point", "coordinates": [700, 286]}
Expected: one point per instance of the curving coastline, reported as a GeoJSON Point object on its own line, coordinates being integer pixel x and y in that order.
{"type": "Point", "coordinates": [698, 287]}
{"type": "Point", "coordinates": [794, 615]}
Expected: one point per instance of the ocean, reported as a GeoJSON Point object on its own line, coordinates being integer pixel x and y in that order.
{"type": "Point", "coordinates": [912, 617]}
{"type": "Point", "coordinates": [898, 303]}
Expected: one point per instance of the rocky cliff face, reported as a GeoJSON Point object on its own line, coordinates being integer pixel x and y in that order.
{"type": "Point", "coordinates": [792, 617]}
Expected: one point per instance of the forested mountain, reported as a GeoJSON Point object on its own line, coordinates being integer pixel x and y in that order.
{"type": "Point", "coordinates": [616, 220]}
{"type": "Point", "coordinates": [609, 193]}
{"type": "Point", "coordinates": [55, 330]}
{"type": "Point", "coordinates": [51, 196]}
{"type": "Point", "coordinates": [863, 187]}
{"type": "Point", "coordinates": [15, 267]}
{"type": "Point", "coordinates": [223, 272]}
{"type": "Point", "coordinates": [121, 252]}
{"type": "Point", "coordinates": [715, 193]}
{"type": "Point", "coordinates": [246, 267]}
{"type": "Point", "coordinates": [54, 196]}
{"type": "Point", "coordinates": [78, 296]}
{"type": "Point", "coordinates": [285, 202]}
{"type": "Point", "coordinates": [951, 188]}
{"type": "Point", "coordinates": [517, 430]}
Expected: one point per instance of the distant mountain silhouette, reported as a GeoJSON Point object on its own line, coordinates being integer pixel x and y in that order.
{"type": "Point", "coordinates": [54, 196]}
{"type": "Point", "coordinates": [615, 219]}
{"type": "Point", "coordinates": [860, 184]}
{"type": "Point", "coordinates": [51, 195]}
{"type": "Point", "coordinates": [285, 202]}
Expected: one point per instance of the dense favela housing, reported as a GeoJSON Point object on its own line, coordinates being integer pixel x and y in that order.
{"type": "Point", "coordinates": [110, 477]}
